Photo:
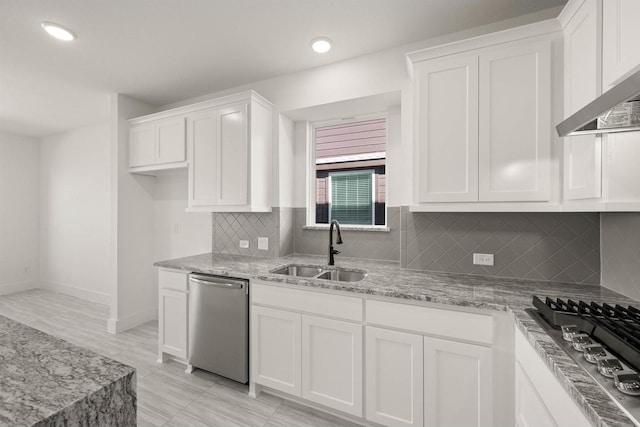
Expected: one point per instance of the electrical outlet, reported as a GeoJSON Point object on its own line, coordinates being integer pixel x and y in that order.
{"type": "Point", "coordinates": [483, 259]}
{"type": "Point", "coordinates": [244, 244]}
{"type": "Point", "coordinates": [263, 243]}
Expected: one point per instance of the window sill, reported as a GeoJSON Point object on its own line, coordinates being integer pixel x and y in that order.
{"type": "Point", "coordinates": [348, 227]}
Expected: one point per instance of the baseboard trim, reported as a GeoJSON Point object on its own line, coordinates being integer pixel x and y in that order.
{"type": "Point", "coordinates": [85, 294]}
{"type": "Point", "coordinates": [115, 326]}
{"type": "Point", "coordinates": [9, 288]}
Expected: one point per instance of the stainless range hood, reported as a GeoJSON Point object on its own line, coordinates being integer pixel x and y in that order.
{"type": "Point", "coordinates": [585, 120]}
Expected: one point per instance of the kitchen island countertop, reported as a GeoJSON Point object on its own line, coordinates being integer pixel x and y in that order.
{"type": "Point", "coordinates": [387, 279]}
{"type": "Point", "coordinates": [47, 381]}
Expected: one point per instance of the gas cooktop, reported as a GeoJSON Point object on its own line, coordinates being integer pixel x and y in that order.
{"type": "Point", "coordinates": [603, 339]}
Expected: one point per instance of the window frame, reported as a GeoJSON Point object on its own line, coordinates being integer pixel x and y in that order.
{"type": "Point", "coordinates": [311, 171]}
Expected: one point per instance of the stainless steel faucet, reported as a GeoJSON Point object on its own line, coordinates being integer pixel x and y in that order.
{"type": "Point", "coordinates": [332, 251]}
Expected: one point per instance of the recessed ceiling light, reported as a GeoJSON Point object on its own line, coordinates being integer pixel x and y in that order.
{"type": "Point", "coordinates": [321, 45]}
{"type": "Point", "coordinates": [58, 31]}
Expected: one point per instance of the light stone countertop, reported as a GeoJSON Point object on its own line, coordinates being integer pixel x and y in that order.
{"type": "Point", "coordinates": [46, 381]}
{"type": "Point", "coordinates": [388, 279]}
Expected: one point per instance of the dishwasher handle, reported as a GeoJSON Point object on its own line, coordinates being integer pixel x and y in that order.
{"type": "Point", "coordinates": [219, 284]}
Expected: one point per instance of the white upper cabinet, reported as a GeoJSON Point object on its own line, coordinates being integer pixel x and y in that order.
{"type": "Point", "coordinates": [582, 178]}
{"type": "Point", "coordinates": [620, 35]}
{"type": "Point", "coordinates": [482, 121]}
{"type": "Point", "coordinates": [226, 144]}
{"type": "Point", "coordinates": [230, 157]}
{"type": "Point", "coordinates": [447, 128]}
{"type": "Point", "coordinates": [515, 122]}
{"type": "Point", "coordinates": [157, 144]}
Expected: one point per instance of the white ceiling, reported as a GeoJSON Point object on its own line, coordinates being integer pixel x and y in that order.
{"type": "Point", "coordinates": [164, 51]}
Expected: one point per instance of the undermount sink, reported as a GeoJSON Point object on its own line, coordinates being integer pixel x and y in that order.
{"type": "Point", "coordinates": [318, 272]}
{"type": "Point", "coordinates": [342, 275]}
{"type": "Point", "coordinates": [298, 270]}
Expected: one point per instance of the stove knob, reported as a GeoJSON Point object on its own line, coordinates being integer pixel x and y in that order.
{"type": "Point", "coordinates": [580, 340]}
{"type": "Point", "coordinates": [569, 331]}
{"type": "Point", "coordinates": [608, 365]}
{"type": "Point", "coordinates": [592, 351]}
{"type": "Point", "coordinates": [628, 382]}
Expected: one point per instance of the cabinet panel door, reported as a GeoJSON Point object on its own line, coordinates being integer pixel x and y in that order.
{"type": "Point", "coordinates": [582, 77]}
{"type": "Point", "coordinates": [202, 133]}
{"type": "Point", "coordinates": [515, 123]}
{"type": "Point", "coordinates": [233, 152]}
{"type": "Point", "coordinates": [173, 322]}
{"type": "Point", "coordinates": [622, 171]}
{"type": "Point", "coordinates": [275, 349]}
{"type": "Point", "coordinates": [620, 35]}
{"type": "Point", "coordinates": [332, 363]}
{"type": "Point", "coordinates": [582, 167]}
{"type": "Point", "coordinates": [142, 145]}
{"type": "Point", "coordinates": [457, 384]}
{"type": "Point", "coordinates": [394, 377]}
{"type": "Point", "coordinates": [171, 136]}
{"type": "Point", "coordinates": [530, 410]}
{"type": "Point", "coordinates": [447, 130]}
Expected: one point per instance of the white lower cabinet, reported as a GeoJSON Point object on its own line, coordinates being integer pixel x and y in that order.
{"type": "Point", "coordinates": [540, 399]}
{"type": "Point", "coordinates": [332, 363]}
{"type": "Point", "coordinates": [316, 358]}
{"type": "Point", "coordinates": [394, 377]}
{"type": "Point", "coordinates": [173, 314]}
{"type": "Point", "coordinates": [422, 365]}
{"type": "Point", "coordinates": [275, 349]}
{"type": "Point", "coordinates": [457, 384]}
{"type": "Point", "coordinates": [530, 409]}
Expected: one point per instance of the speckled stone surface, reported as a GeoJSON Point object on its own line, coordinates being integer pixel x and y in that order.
{"type": "Point", "coordinates": [387, 279]}
{"type": "Point", "coordinates": [46, 381]}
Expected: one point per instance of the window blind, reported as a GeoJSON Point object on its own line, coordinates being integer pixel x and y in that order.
{"type": "Point", "coordinates": [351, 197]}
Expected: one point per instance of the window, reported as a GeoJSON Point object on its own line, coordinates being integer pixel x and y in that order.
{"type": "Point", "coordinates": [349, 162]}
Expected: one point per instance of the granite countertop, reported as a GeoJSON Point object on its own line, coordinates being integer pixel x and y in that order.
{"type": "Point", "coordinates": [48, 381]}
{"type": "Point", "coordinates": [389, 280]}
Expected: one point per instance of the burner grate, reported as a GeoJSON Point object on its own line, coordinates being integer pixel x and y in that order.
{"type": "Point", "coordinates": [617, 327]}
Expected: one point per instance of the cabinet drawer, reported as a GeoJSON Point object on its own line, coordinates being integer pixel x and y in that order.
{"type": "Point", "coordinates": [348, 308]}
{"type": "Point", "coordinates": [173, 280]}
{"type": "Point", "coordinates": [432, 321]}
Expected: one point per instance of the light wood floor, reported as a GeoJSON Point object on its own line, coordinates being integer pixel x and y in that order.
{"type": "Point", "coordinates": [167, 396]}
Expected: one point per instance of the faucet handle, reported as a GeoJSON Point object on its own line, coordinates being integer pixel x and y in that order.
{"type": "Point", "coordinates": [335, 252]}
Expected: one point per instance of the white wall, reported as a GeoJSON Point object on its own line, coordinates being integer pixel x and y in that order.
{"type": "Point", "coordinates": [178, 233]}
{"type": "Point", "coordinates": [18, 213]}
{"type": "Point", "coordinates": [75, 217]}
{"type": "Point", "coordinates": [132, 274]}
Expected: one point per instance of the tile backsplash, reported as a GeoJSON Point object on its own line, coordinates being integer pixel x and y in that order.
{"type": "Point", "coordinates": [621, 252]}
{"type": "Point", "coordinates": [563, 247]}
{"type": "Point", "coordinates": [380, 245]}
{"type": "Point", "coordinates": [230, 228]}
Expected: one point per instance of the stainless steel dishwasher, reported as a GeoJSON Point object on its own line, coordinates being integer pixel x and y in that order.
{"type": "Point", "coordinates": [219, 325]}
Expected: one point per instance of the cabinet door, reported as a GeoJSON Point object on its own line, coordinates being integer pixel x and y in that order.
{"type": "Point", "coordinates": [275, 349]}
{"type": "Point", "coordinates": [446, 115]}
{"type": "Point", "coordinates": [530, 410]}
{"type": "Point", "coordinates": [142, 145]}
{"type": "Point", "coordinates": [515, 123]}
{"type": "Point", "coordinates": [202, 133]}
{"type": "Point", "coordinates": [457, 384]}
{"type": "Point", "coordinates": [582, 62]}
{"type": "Point", "coordinates": [332, 363]}
{"type": "Point", "coordinates": [173, 322]}
{"type": "Point", "coordinates": [218, 157]}
{"type": "Point", "coordinates": [394, 377]}
{"type": "Point", "coordinates": [171, 143]}
{"type": "Point", "coordinates": [232, 156]}
{"type": "Point", "coordinates": [620, 35]}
